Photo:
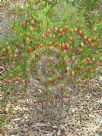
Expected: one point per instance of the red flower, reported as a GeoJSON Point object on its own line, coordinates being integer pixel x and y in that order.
{"type": "Point", "coordinates": [70, 39]}
{"type": "Point", "coordinates": [67, 69]}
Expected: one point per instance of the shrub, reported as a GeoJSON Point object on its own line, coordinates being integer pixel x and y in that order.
{"type": "Point", "coordinates": [59, 46]}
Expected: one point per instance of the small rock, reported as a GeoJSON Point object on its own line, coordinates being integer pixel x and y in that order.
{"type": "Point", "coordinates": [62, 128]}
{"type": "Point", "coordinates": [54, 127]}
{"type": "Point", "coordinates": [17, 119]}
{"type": "Point", "coordinates": [31, 133]}
{"type": "Point", "coordinates": [49, 134]}
{"type": "Point", "coordinates": [59, 133]}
